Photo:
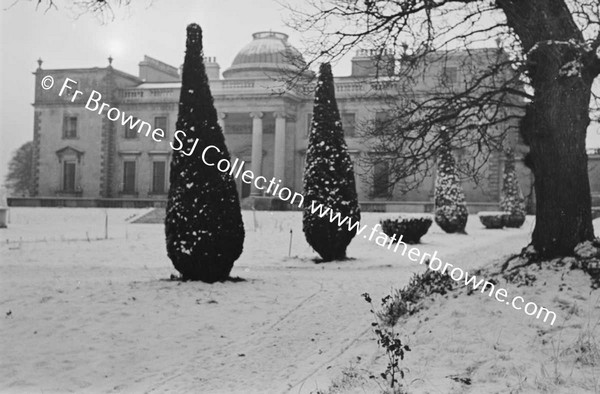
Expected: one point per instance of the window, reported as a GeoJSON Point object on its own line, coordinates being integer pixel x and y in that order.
{"type": "Point", "coordinates": [158, 177]}
{"type": "Point", "coordinates": [450, 76]}
{"type": "Point", "coordinates": [129, 177]}
{"type": "Point", "coordinates": [160, 122]}
{"type": "Point", "coordinates": [381, 179]}
{"type": "Point", "coordinates": [308, 123]}
{"type": "Point", "coordinates": [382, 121]}
{"type": "Point", "coordinates": [131, 132]}
{"type": "Point", "coordinates": [70, 127]}
{"type": "Point", "coordinates": [381, 117]}
{"type": "Point", "coordinates": [459, 155]}
{"type": "Point", "coordinates": [349, 123]}
{"type": "Point", "coordinates": [69, 176]}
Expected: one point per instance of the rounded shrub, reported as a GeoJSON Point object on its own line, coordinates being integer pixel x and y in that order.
{"type": "Point", "coordinates": [514, 220]}
{"type": "Point", "coordinates": [407, 229]}
{"type": "Point", "coordinates": [493, 219]}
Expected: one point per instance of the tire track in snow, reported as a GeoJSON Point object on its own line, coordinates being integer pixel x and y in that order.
{"type": "Point", "coordinates": [298, 306]}
{"type": "Point", "coordinates": [252, 341]}
{"type": "Point", "coordinates": [299, 384]}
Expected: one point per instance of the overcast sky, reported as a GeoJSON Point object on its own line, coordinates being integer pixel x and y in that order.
{"type": "Point", "coordinates": [157, 30]}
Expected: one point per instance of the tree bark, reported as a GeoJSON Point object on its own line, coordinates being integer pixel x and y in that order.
{"type": "Point", "coordinates": [563, 199]}
{"type": "Point", "coordinates": [556, 123]}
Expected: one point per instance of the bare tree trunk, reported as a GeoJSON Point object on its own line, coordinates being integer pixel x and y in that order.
{"type": "Point", "coordinates": [563, 211]}
{"type": "Point", "coordinates": [556, 122]}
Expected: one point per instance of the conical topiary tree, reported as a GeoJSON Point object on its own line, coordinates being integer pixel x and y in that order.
{"type": "Point", "coordinates": [203, 225]}
{"type": "Point", "coordinates": [450, 207]}
{"type": "Point", "coordinates": [512, 199]}
{"type": "Point", "coordinates": [328, 176]}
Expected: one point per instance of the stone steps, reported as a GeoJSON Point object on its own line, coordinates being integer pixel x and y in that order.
{"type": "Point", "coordinates": [155, 216]}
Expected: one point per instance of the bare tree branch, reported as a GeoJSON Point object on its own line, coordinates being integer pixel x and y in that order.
{"type": "Point", "coordinates": [482, 110]}
{"type": "Point", "coordinates": [102, 9]}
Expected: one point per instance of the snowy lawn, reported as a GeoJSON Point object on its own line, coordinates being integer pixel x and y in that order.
{"type": "Point", "coordinates": [101, 315]}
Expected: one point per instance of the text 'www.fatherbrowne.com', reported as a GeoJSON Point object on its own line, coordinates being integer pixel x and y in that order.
{"type": "Point", "coordinates": [435, 264]}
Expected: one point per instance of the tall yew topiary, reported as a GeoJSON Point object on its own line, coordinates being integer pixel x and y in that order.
{"type": "Point", "coordinates": [203, 225]}
{"type": "Point", "coordinates": [328, 176]}
{"type": "Point", "coordinates": [450, 207]}
{"type": "Point", "coordinates": [511, 199]}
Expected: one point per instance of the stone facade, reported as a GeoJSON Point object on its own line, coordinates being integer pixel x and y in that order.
{"type": "Point", "coordinates": [82, 154]}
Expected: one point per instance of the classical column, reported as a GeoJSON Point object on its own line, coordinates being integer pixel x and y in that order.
{"type": "Point", "coordinates": [221, 119]}
{"type": "Point", "coordinates": [279, 170]}
{"type": "Point", "coordinates": [257, 150]}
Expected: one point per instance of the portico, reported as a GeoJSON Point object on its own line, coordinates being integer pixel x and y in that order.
{"type": "Point", "coordinates": [257, 151]}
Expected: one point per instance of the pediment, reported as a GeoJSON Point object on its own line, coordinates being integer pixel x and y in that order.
{"type": "Point", "coordinates": [69, 151]}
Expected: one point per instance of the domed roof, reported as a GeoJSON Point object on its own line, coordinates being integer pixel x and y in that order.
{"type": "Point", "coordinates": [268, 52]}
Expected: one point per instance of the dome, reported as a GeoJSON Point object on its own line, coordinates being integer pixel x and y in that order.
{"type": "Point", "coordinates": [269, 52]}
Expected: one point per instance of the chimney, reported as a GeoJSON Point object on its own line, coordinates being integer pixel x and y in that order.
{"type": "Point", "coordinates": [152, 70]}
{"type": "Point", "coordinates": [370, 62]}
{"type": "Point", "coordinates": [213, 70]}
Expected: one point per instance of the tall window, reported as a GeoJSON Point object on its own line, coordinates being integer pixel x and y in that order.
{"type": "Point", "coordinates": [131, 132]}
{"type": "Point", "coordinates": [309, 117]}
{"type": "Point", "coordinates": [69, 167]}
{"type": "Point", "coordinates": [70, 127]}
{"type": "Point", "coordinates": [129, 176]}
{"type": "Point", "coordinates": [381, 179]}
{"type": "Point", "coordinates": [382, 121]}
{"type": "Point", "coordinates": [349, 123]}
{"type": "Point", "coordinates": [450, 76]}
{"type": "Point", "coordinates": [158, 177]}
{"type": "Point", "coordinates": [160, 122]}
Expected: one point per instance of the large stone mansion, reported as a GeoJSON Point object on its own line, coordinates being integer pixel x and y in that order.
{"type": "Point", "coordinates": [82, 158]}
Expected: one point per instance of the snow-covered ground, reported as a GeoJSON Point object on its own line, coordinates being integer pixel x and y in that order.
{"type": "Point", "coordinates": [81, 313]}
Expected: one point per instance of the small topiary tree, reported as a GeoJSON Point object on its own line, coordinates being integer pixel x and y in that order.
{"type": "Point", "coordinates": [328, 176]}
{"type": "Point", "coordinates": [203, 225]}
{"type": "Point", "coordinates": [512, 199]}
{"type": "Point", "coordinates": [451, 212]}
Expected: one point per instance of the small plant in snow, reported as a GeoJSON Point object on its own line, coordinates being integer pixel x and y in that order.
{"type": "Point", "coordinates": [407, 301]}
{"type": "Point", "coordinates": [391, 343]}
{"type": "Point", "coordinates": [588, 249]}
